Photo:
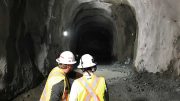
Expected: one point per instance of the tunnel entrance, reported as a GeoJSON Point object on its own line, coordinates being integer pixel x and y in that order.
{"type": "Point", "coordinates": [106, 32]}
{"type": "Point", "coordinates": [96, 40]}
{"type": "Point", "coordinates": [93, 34]}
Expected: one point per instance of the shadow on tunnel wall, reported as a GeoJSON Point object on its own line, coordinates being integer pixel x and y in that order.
{"type": "Point", "coordinates": [21, 69]}
{"type": "Point", "coordinates": [125, 39]}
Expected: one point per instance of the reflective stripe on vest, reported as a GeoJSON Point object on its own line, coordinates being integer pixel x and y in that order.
{"type": "Point", "coordinates": [43, 98]}
{"type": "Point", "coordinates": [56, 73]}
{"type": "Point", "coordinates": [90, 89]}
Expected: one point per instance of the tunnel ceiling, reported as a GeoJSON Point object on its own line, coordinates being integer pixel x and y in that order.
{"type": "Point", "coordinates": [92, 31]}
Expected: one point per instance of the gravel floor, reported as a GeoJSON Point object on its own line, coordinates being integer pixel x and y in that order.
{"type": "Point", "coordinates": [125, 84]}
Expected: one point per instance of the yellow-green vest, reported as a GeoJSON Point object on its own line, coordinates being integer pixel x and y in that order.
{"type": "Point", "coordinates": [55, 76]}
{"type": "Point", "coordinates": [93, 91]}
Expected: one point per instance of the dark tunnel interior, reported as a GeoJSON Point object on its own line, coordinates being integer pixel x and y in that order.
{"type": "Point", "coordinates": [93, 34]}
{"type": "Point", "coordinates": [94, 31]}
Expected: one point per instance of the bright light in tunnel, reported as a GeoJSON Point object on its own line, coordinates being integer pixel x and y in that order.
{"type": "Point", "coordinates": [65, 33]}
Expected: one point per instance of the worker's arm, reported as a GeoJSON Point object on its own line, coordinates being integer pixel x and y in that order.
{"type": "Point", "coordinates": [57, 91]}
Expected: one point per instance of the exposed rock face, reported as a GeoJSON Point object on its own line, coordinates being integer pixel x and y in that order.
{"type": "Point", "coordinates": [158, 35]}
{"type": "Point", "coordinates": [31, 36]}
{"type": "Point", "coordinates": [25, 44]}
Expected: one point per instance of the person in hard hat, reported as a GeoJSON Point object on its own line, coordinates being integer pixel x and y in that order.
{"type": "Point", "coordinates": [57, 87]}
{"type": "Point", "coordinates": [89, 87]}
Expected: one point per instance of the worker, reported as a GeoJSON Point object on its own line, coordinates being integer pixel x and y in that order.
{"type": "Point", "coordinates": [57, 87]}
{"type": "Point", "coordinates": [89, 87]}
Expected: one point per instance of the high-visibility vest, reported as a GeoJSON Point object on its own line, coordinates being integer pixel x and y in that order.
{"type": "Point", "coordinates": [55, 76]}
{"type": "Point", "coordinates": [92, 91]}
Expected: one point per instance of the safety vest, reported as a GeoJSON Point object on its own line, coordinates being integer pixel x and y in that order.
{"type": "Point", "coordinates": [55, 76]}
{"type": "Point", "coordinates": [92, 91]}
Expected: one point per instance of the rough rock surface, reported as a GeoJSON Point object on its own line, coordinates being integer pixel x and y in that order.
{"type": "Point", "coordinates": [158, 35]}
{"type": "Point", "coordinates": [24, 45]}
{"type": "Point", "coordinates": [31, 36]}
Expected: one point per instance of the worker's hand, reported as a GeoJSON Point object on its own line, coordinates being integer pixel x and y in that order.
{"type": "Point", "coordinates": [65, 95]}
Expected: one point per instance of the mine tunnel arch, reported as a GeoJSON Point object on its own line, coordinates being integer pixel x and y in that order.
{"type": "Point", "coordinates": [107, 33]}
{"type": "Point", "coordinates": [92, 31]}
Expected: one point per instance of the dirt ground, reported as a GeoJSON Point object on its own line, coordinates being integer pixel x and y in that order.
{"type": "Point", "coordinates": [124, 84]}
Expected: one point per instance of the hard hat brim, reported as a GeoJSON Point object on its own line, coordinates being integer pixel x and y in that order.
{"type": "Point", "coordinates": [58, 61]}
{"type": "Point", "coordinates": [80, 66]}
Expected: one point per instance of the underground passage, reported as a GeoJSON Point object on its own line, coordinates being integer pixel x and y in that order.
{"type": "Point", "coordinates": [94, 31]}
{"type": "Point", "coordinates": [136, 45]}
{"type": "Point", "coordinates": [93, 34]}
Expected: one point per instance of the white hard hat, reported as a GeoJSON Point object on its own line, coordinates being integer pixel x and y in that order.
{"type": "Point", "coordinates": [66, 57]}
{"type": "Point", "coordinates": [86, 61]}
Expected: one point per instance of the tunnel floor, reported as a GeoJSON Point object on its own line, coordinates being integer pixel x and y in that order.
{"type": "Point", "coordinates": [125, 84]}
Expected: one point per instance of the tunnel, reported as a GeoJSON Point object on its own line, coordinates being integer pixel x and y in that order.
{"type": "Point", "coordinates": [93, 32]}
{"type": "Point", "coordinates": [144, 33]}
{"type": "Point", "coordinates": [36, 37]}
{"type": "Point", "coordinates": [97, 29]}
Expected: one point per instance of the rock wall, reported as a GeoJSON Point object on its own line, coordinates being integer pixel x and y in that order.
{"type": "Point", "coordinates": [31, 37]}
{"type": "Point", "coordinates": [126, 30]}
{"type": "Point", "coordinates": [30, 42]}
{"type": "Point", "coordinates": [158, 35]}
